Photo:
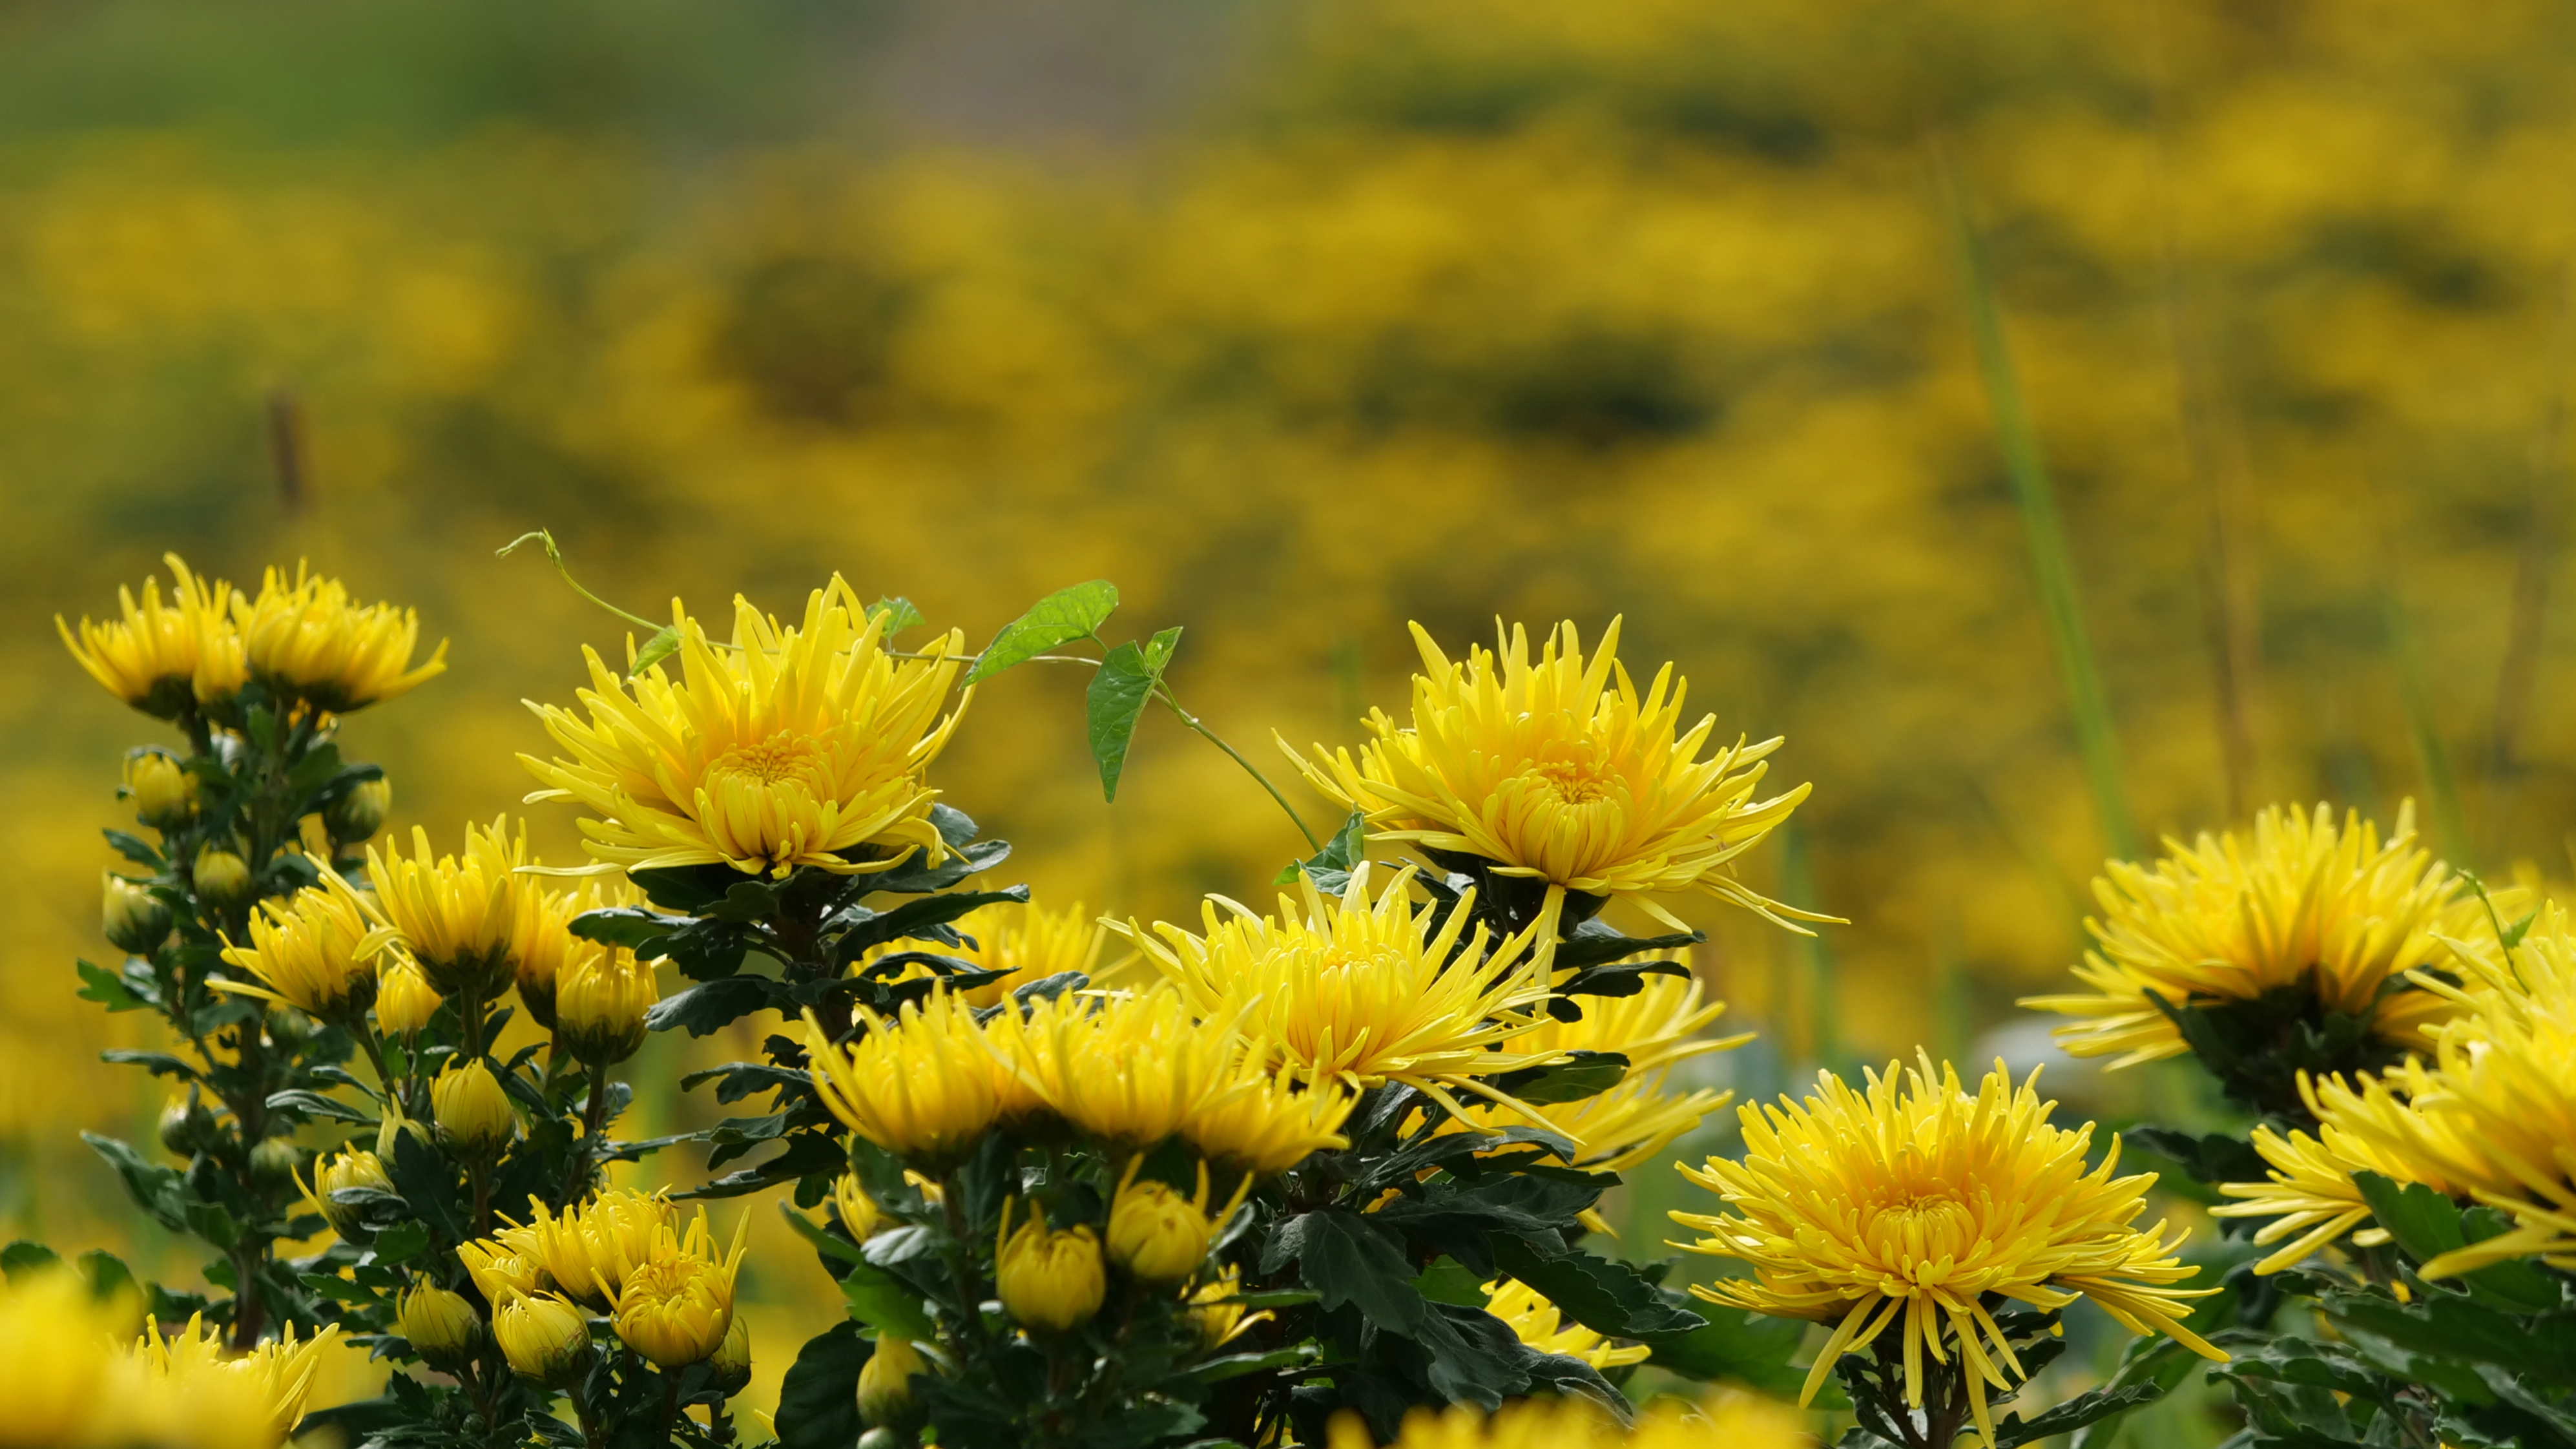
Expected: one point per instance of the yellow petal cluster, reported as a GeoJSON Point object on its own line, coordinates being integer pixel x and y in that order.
{"type": "Point", "coordinates": [309, 640]}
{"type": "Point", "coordinates": [150, 655]}
{"type": "Point", "coordinates": [194, 1393]}
{"type": "Point", "coordinates": [924, 1086]}
{"type": "Point", "coordinates": [1024, 942]}
{"type": "Point", "coordinates": [1540, 1324]}
{"type": "Point", "coordinates": [1913, 1200]}
{"type": "Point", "coordinates": [676, 1306]}
{"type": "Point", "coordinates": [1363, 989]}
{"type": "Point", "coordinates": [792, 745]}
{"type": "Point", "coordinates": [1560, 772]}
{"type": "Point", "coordinates": [545, 1336]}
{"type": "Point", "coordinates": [601, 999]}
{"type": "Point", "coordinates": [1050, 1280]}
{"type": "Point", "coordinates": [588, 1250]}
{"type": "Point", "coordinates": [458, 915]}
{"type": "Point", "coordinates": [472, 1110]}
{"type": "Point", "coordinates": [349, 1168]}
{"type": "Point", "coordinates": [2309, 1193]}
{"type": "Point", "coordinates": [543, 940]}
{"type": "Point", "coordinates": [2295, 903]}
{"type": "Point", "coordinates": [1734, 1421]}
{"type": "Point", "coordinates": [308, 950]}
{"type": "Point", "coordinates": [163, 792]}
{"type": "Point", "coordinates": [405, 1001]}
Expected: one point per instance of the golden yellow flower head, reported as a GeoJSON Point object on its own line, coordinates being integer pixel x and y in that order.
{"type": "Point", "coordinates": [163, 792]}
{"type": "Point", "coordinates": [1737, 1421]}
{"type": "Point", "coordinates": [1540, 1324]}
{"type": "Point", "coordinates": [731, 1363]}
{"type": "Point", "coordinates": [56, 1337]}
{"type": "Point", "coordinates": [1024, 942]}
{"type": "Point", "coordinates": [358, 813]}
{"type": "Point", "coordinates": [220, 876]}
{"type": "Point", "coordinates": [148, 656]}
{"type": "Point", "coordinates": [189, 1374]}
{"type": "Point", "coordinates": [885, 1382]}
{"type": "Point", "coordinates": [1632, 1123]}
{"type": "Point", "coordinates": [405, 1001]}
{"type": "Point", "coordinates": [348, 1168]}
{"type": "Point", "coordinates": [1049, 1280]}
{"type": "Point", "coordinates": [543, 940]}
{"type": "Point", "coordinates": [800, 745]}
{"type": "Point", "coordinates": [925, 1086]}
{"type": "Point", "coordinates": [1267, 1123]}
{"type": "Point", "coordinates": [2297, 904]}
{"type": "Point", "coordinates": [496, 1270]}
{"type": "Point", "coordinates": [307, 951]}
{"type": "Point", "coordinates": [676, 1306]}
{"type": "Point", "coordinates": [472, 1109]}
{"type": "Point", "coordinates": [1913, 1200]}
{"type": "Point", "coordinates": [861, 1218]}
{"type": "Point", "coordinates": [442, 1327]}
{"type": "Point", "coordinates": [309, 640]}
{"type": "Point", "coordinates": [1220, 1317]}
{"type": "Point", "coordinates": [135, 920]}
{"type": "Point", "coordinates": [601, 997]}
{"type": "Point", "coordinates": [545, 1336]}
{"type": "Point", "coordinates": [1559, 772]}
{"type": "Point", "coordinates": [1361, 989]}
{"type": "Point", "coordinates": [2310, 1194]}
{"type": "Point", "coordinates": [590, 1248]}
{"type": "Point", "coordinates": [458, 915]}
{"type": "Point", "coordinates": [1157, 1234]}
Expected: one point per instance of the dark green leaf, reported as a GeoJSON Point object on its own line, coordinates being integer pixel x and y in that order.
{"type": "Point", "coordinates": [337, 1289]}
{"type": "Point", "coordinates": [1619, 980]}
{"type": "Point", "coordinates": [131, 846]}
{"type": "Point", "coordinates": [2074, 1414]}
{"type": "Point", "coordinates": [1117, 700]}
{"type": "Point", "coordinates": [301, 1105]}
{"type": "Point", "coordinates": [23, 1256]}
{"type": "Point", "coordinates": [1448, 1281]}
{"type": "Point", "coordinates": [884, 1302]}
{"type": "Point", "coordinates": [664, 643]}
{"type": "Point", "coordinates": [1595, 944]}
{"type": "Point", "coordinates": [1340, 855]}
{"type": "Point", "coordinates": [159, 1064]}
{"type": "Point", "coordinates": [425, 1184]}
{"type": "Point", "coordinates": [1606, 1297]}
{"type": "Point", "coordinates": [114, 992]}
{"type": "Point", "coordinates": [106, 1272]}
{"type": "Point", "coordinates": [210, 1221]}
{"type": "Point", "coordinates": [401, 1242]}
{"type": "Point", "coordinates": [630, 926]}
{"type": "Point", "coordinates": [154, 1188]}
{"type": "Point", "coordinates": [1059, 618]}
{"type": "Point", "coordinates": [1347, 1260]}
{"type": "Point", "coordinates": [818, 1401]}
{"type": "Point", "coordinates": [711, 1006]}
{"type": "Point", "coordinates": [1582, 1074]}
{"type": "Point", "coordinates": [916, 877]}
{"type": "Point", "coordinates": [1746, 1348]}
{"type": "Point", "coordinates": [1235, 1366]}
{"type": "Point", "coordinates": [825, 1243]}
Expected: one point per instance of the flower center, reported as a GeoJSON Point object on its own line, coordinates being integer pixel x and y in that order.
{"type": "Point", "coordinates": [781, 759]}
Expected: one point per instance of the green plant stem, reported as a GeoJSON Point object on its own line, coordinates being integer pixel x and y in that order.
{"type": "Point", "coordinates": [2097, 742]}
{"type": "Point", "coordinates": [1197, 727]}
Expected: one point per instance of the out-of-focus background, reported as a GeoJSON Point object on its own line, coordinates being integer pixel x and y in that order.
{"type": "Point", "coordinates": [1299, 322]}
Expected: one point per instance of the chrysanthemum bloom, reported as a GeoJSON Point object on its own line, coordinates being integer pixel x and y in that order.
{"type": "Point", "coordinates": [308, 951]}
{"type": "Point", "coordinates": [1219, 1314]}
{"type": "Point", "coordinates": [497, 1272]}
{"type": "Point", "coordinates": [1126, 1070]}
{"type": "Point", "coordinates": [2300, 905]}
{"type": "Point", "coordinates": [220, 876]}
{"type": "Point", "coordinates": [1913, 1201]}
{"type": "Point", "coordinates": [441, 1326]}
{"type": "Point", "coordinates": [1634, 1121]}
{"type": "Point", "coordinates": [1265, 1123]}
{"type": "Point", "coordinates": [279, 1372]}
{"type": "Point", "coordinates": [885, 1382]}
{"type": "Point", "coordinates": [1737, 1421]}
{"type": "Point", "coordinates": [594, 1244]}
{"type": "Point", "coordinates": [163, 792]}
{"type": "Point", "coordinates": [55, 1337]}
{"type": "Point", "coordinates": [1049, 1280]}
{"type": "Point", "coordinates": [676, 1306]}
{"type": "Point", "coordinates": [861, 1218]}
{"type": "Point", "coordinates": [148, 655]}
{"type": "Point", "coordinates": [473, 1112]}
{"type": "Point", "coordinates": [347, 1168]}
{"type": "Point", "coordinates": [1560, 773]}
{"type": "Point", "coordinates": [458, 915]}
{"type": "Point", "coordinates": [545, 1337]}
{"type": "Point", "coordinates": [925, 1086]}
{"type": "Point", "coordinates": [1363, 989]}
{"type": "Point", "coordinates": [730, 1365]}
{"type": "Point", "coordinates": [405, 1001]}
{"type": "Point", "coordinates": [1159, 1235]}
{"type": "Point", "coordinates": [2310, 1195]}
{"type": "Point", "coordinates": [1025, 943]}
{"type": "Point", "coordinates": [601, 999]}
{"type": "Point", "coordinates": [309, 640]}
{"type": "Point", "coordinates": [1540, 1324]}
{"type": "Point", "coordinates": [792, 746]}
{"type": "Point", "coordinates": [543, 939]}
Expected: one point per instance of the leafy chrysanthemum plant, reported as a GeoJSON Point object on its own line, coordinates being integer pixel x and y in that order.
{"type": "Point", "coordinates": [2300, 946]}
{"type": "Point", "coordinates": [1938, 1233]}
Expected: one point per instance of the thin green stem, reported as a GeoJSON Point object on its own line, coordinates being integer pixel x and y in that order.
{"type": "Point", "coordinates": [1163, 692]}
{"type": "Point", "coordinates": [554, 552]}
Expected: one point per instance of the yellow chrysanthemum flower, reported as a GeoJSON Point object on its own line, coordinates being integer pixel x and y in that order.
{"type": "Point", "coordinates": [1633, 1122]}
{"type": "Point", "coordinates": [149, 655]}
{"type": "Point", "coordinates": [191, 1374]}
{"type": "Point", "coordinates": [924, 1086]}
{"type": "Point", "coordinates": [2361, 1127]}
{"type": "Point", "coordinates": [309, 640]}
{"type": "Point", "coordinates": [1128, 1070]}
{"type": "Point", "coordinates": [1737, 1421]}
{"type": "Point", "coordinates": [405, 1001]}
{"type": "Point", "coordinates": [1363, 989]}
{"type": "Point", "coordinates": [1050, 1280]}
{"type": "Point", "coordinates": [1561, 773]}
{"type": "Point", "coordinates": [543, 939]}
{"type": "Point", "coordinates": [1220, 1315]}
{"type": "Point", "coordinates": [498, 1273]}
{"type": "Point", "coordinates": [601, 1000]}
{"type": "Point", "coordinates": [590, 1248]}
{"type": "Point", "coordinates": [545, 1336]}
{"type": "Point", "coordinates": [56, 1339]}
{"type": "Point", "coordinates": [348, 1168]}
{"type": "Point", "coordinates": [308, 950]}
{"type": "Point", "coordinates": [793, 746]}
{"type": "Point", "coordinates": [2299, 903]}
{"type": "Point", "coordinates": [458, 915]}
{"type": "Point", "coordinates": [1540, 1324]}
{"type": "Point", "coordinates": [1025, 942]}
{"type": "Point", "coordinates": [676, 1306]}
{"type": "Point", "coordinates": [1914, 1200]}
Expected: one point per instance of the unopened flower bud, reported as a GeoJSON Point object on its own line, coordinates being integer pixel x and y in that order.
{"type": "Point", "coordinates": [289, 1027]}
{"type": "Point", "coordinates": [1049, 1281]}
{"type": "Point", "coordinates": [544, 1336]}
{"type": "Point", "coordinates": [163, 792]}
{"type": "Point", "coordinates": [221, 877]}
{"type": "Point", "coordinates": [1157, 1234]}
{"type": "Point", "coordinates": [885, 1383]}
{"type": "Point", "coordinates": [358, 814]}
{"type": "Point", "coordinates": [472, 1110]}
{"type": "Point", "coordinates": [861, 1218]}
{"type": "Point", "coordinates": [186, 1123]}
{"type": "Point", "coordinates": [405, 1001]}
{"type": "Point", "coordinates": [600, 998]}
{"type": "Point", "coordinates": [442, 1326]}
{"type": "Point", "coordinates": [273, 1162]}
{"type": "Point", "coordinates": [345, 1169]}
{"type": "Point", "coordinates": [135, 919]}
{"type": "Point", "coordinates": [731, 1366]}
